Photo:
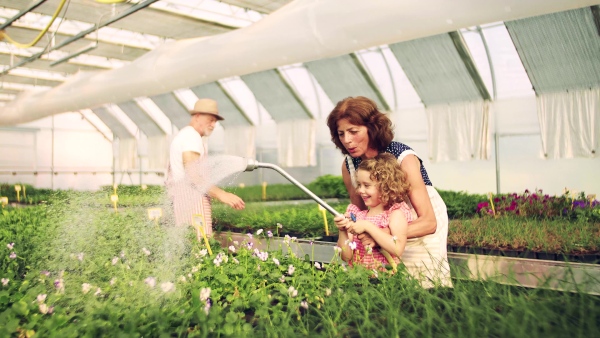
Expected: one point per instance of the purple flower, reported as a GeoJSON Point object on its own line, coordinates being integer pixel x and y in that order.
{"type": "Point", "coordinates": [45, 273]}
{"type": "Point", "coordinates": [269, 234]}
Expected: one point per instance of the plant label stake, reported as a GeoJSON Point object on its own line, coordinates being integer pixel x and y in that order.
{"type": "Point", "coordinates": [264, 191]}
{"type": "Point", "coordinates": [115, 188]}
{"type": "Point", "coordinates": [198, 222]}
{"type": "Point", "coordinates": [492, 203]}
{"type": "Point", "coordinates": [154, 214]}
{"type": "Point", "coordinates": [18, 190]}
{"type": "Point", "coordinates": [324, 213]}
{"type": "Point", "coordinates": [3, 201]}
{"type": "Point", "coordinates": [114, 198]}
{"type": "Point", "coordinates": [144, 187]}
{"type": "Point", "coordinates": [24, 193]}
{"type": "Point", "coordinates": [591, 198]}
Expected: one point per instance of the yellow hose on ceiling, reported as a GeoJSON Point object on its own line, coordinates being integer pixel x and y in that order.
{"type": "Point", "coordinates": [4, 36]}
{"type": "Point", "coordinates": [110, 1]}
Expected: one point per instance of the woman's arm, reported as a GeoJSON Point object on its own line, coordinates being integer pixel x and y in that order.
{"type": "Point", "coordinates": [425, 224]}
{"type": "Point", "coordinates": [354, 197]}
{"type": "Point", "coordinates": [398, 227]}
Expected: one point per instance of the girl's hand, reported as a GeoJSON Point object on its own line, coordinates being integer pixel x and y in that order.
{"type": "Point", "coordinates": [341, 222]}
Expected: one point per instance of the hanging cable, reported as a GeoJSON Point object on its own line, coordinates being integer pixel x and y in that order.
{"type": "Point", "coordinates": [4, 36]}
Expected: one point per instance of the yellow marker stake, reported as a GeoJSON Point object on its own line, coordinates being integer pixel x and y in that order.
{"type": "Point", "coordinates": [144, 187]}
{"type": "Point", "coordinates": [114, 198]}
{"type": "Point", "coordinates": [154, 214]}
{"type": "Point", "coordinates": [3, 201]}
{"type": "Point", "coordinates": [492, 203]}
{"type": "Point", "coordinates": [264, 191]}
{"type": "Point", "coordinates": [18, 190]}
{"type": "Point", "coordinates": [198, 222]}
{"type": "Point", "coordinates": [115, 188]}
{"type": "Point", "coordinates": [24, 193]}
{"type": "Point", "coordinates": [591, 198]}
{"type": "Point", "coordinates": [324, 213]}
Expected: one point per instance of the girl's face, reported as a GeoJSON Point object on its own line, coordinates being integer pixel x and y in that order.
{"type": "Point", "coordinates": [355, 138]}
{"type": "Point", "coordinates": [367, 189]}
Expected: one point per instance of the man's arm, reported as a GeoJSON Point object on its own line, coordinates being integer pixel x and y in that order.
{"type": "Point", "coordinates": [189, 159]}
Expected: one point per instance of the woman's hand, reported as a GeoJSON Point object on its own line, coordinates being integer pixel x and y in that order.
{"type": "Point", "coordinates": [366, 239]}
{"type": "Point", "coordinates": [357, 227]}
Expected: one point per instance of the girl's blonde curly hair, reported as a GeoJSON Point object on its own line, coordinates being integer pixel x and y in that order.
{"type": "Point", "coordinates": [390, 179]}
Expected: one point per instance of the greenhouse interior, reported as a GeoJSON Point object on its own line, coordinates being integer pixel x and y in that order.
{"type": "Point", "coordinates": [114, 223]}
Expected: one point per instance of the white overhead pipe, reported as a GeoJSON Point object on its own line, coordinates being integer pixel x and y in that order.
{"type": "Point", "coordinates": [303, 30]}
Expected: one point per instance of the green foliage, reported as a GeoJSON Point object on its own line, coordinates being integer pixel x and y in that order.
{"type": "Point", "coordinates": [109, 290]}
{"type": "Point", "coordinates": [460, 204]}
{"type": "Point", "coordinates": [329, 186]}
{"type": "Point", "coordinates": [27, 195]}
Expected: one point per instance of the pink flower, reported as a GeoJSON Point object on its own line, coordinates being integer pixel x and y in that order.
{"type": "Point", "coordinates": [12, 255]}
{"type": "Point", "coordinates": [151, 281]}
{"type": "Point", "coordinates": [291, 269]}
{"type": "Point", "coordinates": [43, 309]}
{"type": "Point", "coordinates": [5, 281]}
{"type": "Point", "coordinates": [204, 294]}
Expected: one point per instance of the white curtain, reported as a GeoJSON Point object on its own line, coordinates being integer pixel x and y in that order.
{"type": "Point", "coordinates": [127, 154]}
{"type": "Point", "coordinates": [570, 123]}
{"type": "Point", "coordinates": [240, 141]}
{"type": "Point", "coordinates": [458, 131]}
{"type": "Point", "coordinates": [158, 152]}
{"type": "Point", "coordinates": [296, 143]}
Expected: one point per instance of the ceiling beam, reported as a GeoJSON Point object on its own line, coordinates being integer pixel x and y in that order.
{"type": "Point", "coordinates": [465, 55]}
{"type": "Point", "coordinates": [26, 10]}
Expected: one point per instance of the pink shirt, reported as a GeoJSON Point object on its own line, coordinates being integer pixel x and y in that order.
{"type": "Point", "coordinates": [375, 258]}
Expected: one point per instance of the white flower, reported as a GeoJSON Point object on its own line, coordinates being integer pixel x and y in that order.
{"type": "Point", "coordinates": [236, 243]}
{"type": "Point", "coordinates": [282, 279]}
{"type": "Point", "coordinates": [115, 260]}
{"type": "Point", "coordinates": [291, 269]}
{"type": "Point", "coordinates": [236, 261]}
{"type": "Point", "coordinates": [352, 245]}
{"type": "Point", "coordinates": [182, 279]}
{"type": "Point", "coordinates": [249, 235]}
{"type": "Point", "coordinates": [337, 249]}
{"type": "Point", "coordinates": [304, 304]}
{"type": "Point", "coordinates": [12, 255]}
{"type": "Point", "coordinates": [85, 287]}
{"type": "Point", "coordinates": [113, 281]}
{"type": "Point", "coordinates": [146, 251]}
{"type": "Point", "coordinates": [10, 246]}
{"type": "Point", "coordinates": [279, 226]}
{"type": "Point", "coordinates": [41, 298]}
{"type": "Point", "coordinates": [286, 239]}
{"type": "Point", "coordinates": [269, 234]}
{"type": "Point", "coordinates": [292, 291]}
{"type": "Point", "coordinates": [167, 287]}
{"type": "Point", "coordinates": [80, 256]}
{"type": "Point", "coordinates": [207, 307]}
{"type": "Point", "coordinates": [203, 252]}
{"type": "Point", "coordinates": [259, 231]}
{"type": "Point", "coordinates": [232, 248]}
{"type": "Point", "coordinates": [122, 254]}
{"type": "Point", "coordinates": [5, 281]}
{"type": "Point", "coordinates": [98, 292]}
{"type": "Point", "coordinates": [328, 292]}
{"type": "Point", "coordinates": [317, 265]}
{"type": "Point", "coordinates": [276, 261]}
{"type": "Point", "coordinates": [43, 308]}
{"type": "Point", "coordinates": [204, 294]}
{"type": "Point", "coordinates": [151, 281]}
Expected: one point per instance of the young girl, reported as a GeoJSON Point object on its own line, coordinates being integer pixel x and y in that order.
{"type": "Point", "coordinates": [383, 187]}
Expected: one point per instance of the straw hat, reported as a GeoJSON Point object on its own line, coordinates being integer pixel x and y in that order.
{"type": "Point", "coordinates": [207, 106]}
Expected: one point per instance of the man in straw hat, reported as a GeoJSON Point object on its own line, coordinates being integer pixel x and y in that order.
{"type": "Point", "coordinates": [185, 181]}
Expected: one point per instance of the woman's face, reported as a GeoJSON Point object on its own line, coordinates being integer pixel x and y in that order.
{"type": "Point", "coordinates": [355, 138]}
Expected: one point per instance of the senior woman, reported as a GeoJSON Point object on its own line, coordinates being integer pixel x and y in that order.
{"type": "Point", "coordinates": [361, 131]}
